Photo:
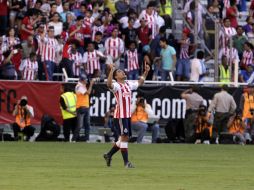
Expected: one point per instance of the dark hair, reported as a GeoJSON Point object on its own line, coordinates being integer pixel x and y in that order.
{"type": "Point", "coordinates": [249, 45]}
{"type": "Point", "coordinates": [200, 54]}
{"type": "Point", "coordinates": [53, 5]}
{"type": "Point", "coordinates": [162, 29]}
{"type": "Point", "coordinates": [80, 17]}
{"type": "Point", "coordinates": [132, 42]}
{"type": "Point", "coordinates": [163, 39]}
{"type": "Point", "coordinates": [98, 33]}
{"type": "Point", "coordinates": [224, 87]}
{"type": "Point", "coordinates": [51, 28]}
{"type": "Point", "coordinates": [195, 88]}
{"type": "Point", "coordinates": [32, 54]}
{"type": "Point", "coordinates": [239, 26]}
{"type": "Point", "coordinates": [75, 42]}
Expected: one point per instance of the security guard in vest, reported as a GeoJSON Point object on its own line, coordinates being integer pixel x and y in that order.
{"type": "Point", "coordinates": [166, 11]}
{"type": "Point", "coordinates": [224, 72]}
{"type": "Point", "coordinates": [247, 106]}
{"type": "Point", "coordinates": [23, 114]}
{"type": "Point", "coordinates": [68, 108]}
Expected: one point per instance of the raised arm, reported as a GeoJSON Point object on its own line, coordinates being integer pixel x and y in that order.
{"type": "Point", "coordinates": [110, 76]}
{"type": "Point", "coordinates": [143, 77]}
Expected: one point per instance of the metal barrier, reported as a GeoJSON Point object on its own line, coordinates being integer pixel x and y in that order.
{"type": "Point", "coordinates": [171, 82]}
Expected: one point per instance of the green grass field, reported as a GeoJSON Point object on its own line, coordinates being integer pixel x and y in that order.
{"type": "Point", "coordinates": [53, 166]}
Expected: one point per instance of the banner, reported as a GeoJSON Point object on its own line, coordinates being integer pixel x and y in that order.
{"type": "Point", "coordinates": [43, 97]}
{"type": "Point", "coordinates": [165, 101]}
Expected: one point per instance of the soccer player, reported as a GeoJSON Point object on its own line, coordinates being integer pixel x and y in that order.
{"type": "Point", "coordinates": [122, 90]}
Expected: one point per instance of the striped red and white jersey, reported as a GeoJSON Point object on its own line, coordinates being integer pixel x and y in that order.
{"type": "Point", "coordinates": [88, 21]}
{"type": "Point", "coordinates": [247, 58]}
{"type": "Point", "coordinates": [123, 94]}
{"type": "Point", "coordinates": [231, 54]}
{"type": "Point", "coordinates": [77, 62]}
{"type": "Point", "coordinates": [92, 61]}
{"type": "Point", "coordinates": [184, 51]}
{"type": "Point", "coordinates": [226, 35]}
{"type": "Point", "coordinates": [150, 21]}
{"type": "Point", "coordinates": [132, 60]}
{"type": "Point", "coordinates": [226, 3]}
{"type": "Point", "coordinates": [29, 69]}
{"type": "Point", "coordinates": [1, 57]}
{"type": "Point", "coordinates": [96, 29]}
{"type": "Point", "coordinates": [11, 43]}
{"type": "Point", "coordinates": [49, 48]}
{"type": "Point", "coordinates": [114, 47]}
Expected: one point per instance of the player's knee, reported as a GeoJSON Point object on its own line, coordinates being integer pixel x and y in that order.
{"type": "Point", "coordinates": [124, 138]}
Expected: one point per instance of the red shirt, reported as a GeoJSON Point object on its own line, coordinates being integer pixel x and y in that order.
{"type": "Point", "coordinates": [4, 8]}
{"type": "Point", "coordinates": [233, 19]}
{"type": "Point", "coordinates": [84, 32]}
{"type": "Point", "coordinates": [143, 35]}
{"type": "Point", "coordinates": [24, 34]}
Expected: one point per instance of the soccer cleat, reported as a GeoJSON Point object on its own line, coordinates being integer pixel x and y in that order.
{"type": "Point", "coordinates": [129, 165]}
{"type": "Point", "coordinates": [107, 159]}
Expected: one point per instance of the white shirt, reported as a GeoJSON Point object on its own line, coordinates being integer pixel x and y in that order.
{"type": "Point", "coordinates": [80, 88]}
{"type": "Point", "coordinates": [196, 70]}
{"type": "Point", "coordinates": [58, 27]}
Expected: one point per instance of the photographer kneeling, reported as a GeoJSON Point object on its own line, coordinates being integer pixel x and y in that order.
{"type": "Point", "coordinates": [23, 113]}
{"type": "Point", "coordinates": [237, 127]}
{"type": "Point", "coordinates": [203, 126]}
{"type": "Point", "coordinates": [141, 113]}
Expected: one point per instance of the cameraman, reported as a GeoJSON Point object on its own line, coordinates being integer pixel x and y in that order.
{"type": "Point", "coordinates": [247, 108]}
{"type": "Point", "coordinates": [23, 114]}
{"type": "Point", "coordinates": [141, 112]}
{"type": "Point", "coordinates": [237, 128]}
{"type": "Point", "coordinates": [203, 126]}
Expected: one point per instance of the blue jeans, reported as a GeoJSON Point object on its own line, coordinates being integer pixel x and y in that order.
{"type": "Point", "coordinates": [141, 128]}
{"type": "Point", "coordinates": [164, 74]}
{"type": "Point", "coordinates": [83, 117]}
{"type": "Point", "coordinates": [155, 132]}
{"type": "Point", "coordinates": [49, 69]}
{"type": "Point", "coordinates": [133, 75]}
{"type": "Point", "coordinates": [183, 68]}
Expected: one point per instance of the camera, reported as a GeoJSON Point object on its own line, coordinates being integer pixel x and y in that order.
{"type": "Point", "coordinates": [202, 110]}
{"type": "Point", "coordinates": [23, 102]}
{"type": "Point", "coordinates": [251, 111]}
{"type": "Point", "coordinates": [142, 101]}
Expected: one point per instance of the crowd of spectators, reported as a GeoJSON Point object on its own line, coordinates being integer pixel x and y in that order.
{"type": "Point", "coordinates": [40, 37]}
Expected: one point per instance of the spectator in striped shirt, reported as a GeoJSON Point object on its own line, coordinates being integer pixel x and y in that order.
{"type": "Point", "coordinates": [50, 48]}
{"type": "Point", "coordinates": [247, 58]}
{"type": "Point", "coordinates": [114, 47]}
{"type": "Point", "coordinates": [91, 59]}
{"type": "Point", "coordinates": [122, 90]}
{"type": "Point", "coordinates": [183, 63]}
{"type": "Point", "coordinates": [76, 59]}
{"type": "Point", "coordinates": [132, 64]}
{"type": "Point", "coordinates": [29, 67]}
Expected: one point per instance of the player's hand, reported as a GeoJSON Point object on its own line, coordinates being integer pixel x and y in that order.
{"type": "Point", "coordinates": [112, 66]}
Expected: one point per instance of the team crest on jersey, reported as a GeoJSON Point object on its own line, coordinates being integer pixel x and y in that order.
{"type": "Point", "coordinates": [126, 94]}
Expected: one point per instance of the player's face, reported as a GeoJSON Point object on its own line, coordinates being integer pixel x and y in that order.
{"type": "Point", "coordinates": [120, 75]}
